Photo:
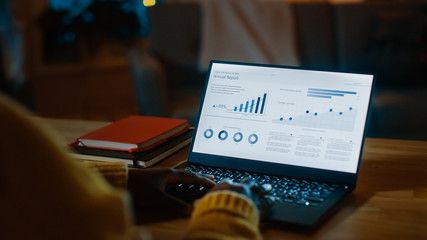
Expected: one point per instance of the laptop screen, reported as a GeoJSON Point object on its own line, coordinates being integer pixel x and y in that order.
{"type": "Point", "coordinates": [282, 115]}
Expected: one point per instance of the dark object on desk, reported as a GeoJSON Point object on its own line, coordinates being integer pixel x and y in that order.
{"type": "Point", "coordinates": [137, 159]}
{"type": "Point", "coordinates": [186, 192]}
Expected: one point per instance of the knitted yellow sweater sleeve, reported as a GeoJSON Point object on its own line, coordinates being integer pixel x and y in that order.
{"type": "Point", "coordinates": [224, 215]}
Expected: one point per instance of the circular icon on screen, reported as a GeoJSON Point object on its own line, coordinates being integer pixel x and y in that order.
{"type": "Point", "coordinates": [238, 136]}
{"type": "Point", "coordinates": [208, 133]}
{"type": "Point", "coordinates": [222, 135]}
{"type": "Point", "coordinates": [253, 138]}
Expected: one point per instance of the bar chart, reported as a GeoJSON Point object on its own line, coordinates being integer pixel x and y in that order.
{"type": "Point", "coordinates": [327, 93]}
{"type": "Point", "coordinates": [255, 105]}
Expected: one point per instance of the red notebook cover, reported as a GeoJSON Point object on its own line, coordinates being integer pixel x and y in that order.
{"type": "Point", "coordinates": [134, 133]}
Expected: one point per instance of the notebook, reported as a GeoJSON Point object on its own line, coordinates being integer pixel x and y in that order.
{"type": "Point", "coordinates": [300, 130]}
{"type": "Point", "coordinates": [134, 133]}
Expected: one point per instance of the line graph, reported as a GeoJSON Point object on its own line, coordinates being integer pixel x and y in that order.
{"type": "Point", "coordinates": [329, 118]}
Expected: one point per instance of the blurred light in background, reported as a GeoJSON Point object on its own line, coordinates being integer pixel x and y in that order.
{"type": "Point", "coordinates": [149, 3]}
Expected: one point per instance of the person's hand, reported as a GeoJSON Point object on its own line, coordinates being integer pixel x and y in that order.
{"type": "Point", "coordinates": [257, 193]}
{"type": "Point", "coordinates": [148, 188]}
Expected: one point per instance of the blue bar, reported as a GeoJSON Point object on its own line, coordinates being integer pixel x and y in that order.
{"type": "Point", "coordinates": [235, 108]}
{"type": "Point", "coordinates": [257, 105]}
{"type": "Point", "coordinates": [332, 91]}
{"type": "Point", "coordinates": [241, 107]}
{"type": "Point", "coordinates": [246, 107]}
{"type": "Point", "coordinates": [252, 105]}
{"type": "Point", "coordinates": [319, 96]}
{"type": "Point", "coordinates": [263, 103]}
{"type": "Point", "coordinates": [326, 93]}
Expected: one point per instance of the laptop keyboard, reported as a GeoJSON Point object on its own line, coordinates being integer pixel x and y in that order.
{"type": "Point", "coordinates": [284, 189]}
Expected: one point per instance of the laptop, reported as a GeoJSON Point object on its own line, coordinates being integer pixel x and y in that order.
{"type": "Point", "coordinates": [299, 130]}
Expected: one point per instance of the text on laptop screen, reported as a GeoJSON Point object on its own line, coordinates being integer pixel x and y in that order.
{"type": "Point", "coordinates": [288, 116]}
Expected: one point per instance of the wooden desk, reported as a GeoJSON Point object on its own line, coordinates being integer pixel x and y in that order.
{"type": "Point", "coordinates": [390, 201]}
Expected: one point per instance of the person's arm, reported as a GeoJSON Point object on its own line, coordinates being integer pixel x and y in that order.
{"type": "Point", "coordinates": [44, 194]}
{"type": "Point", "coordinates": [221, 214]}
